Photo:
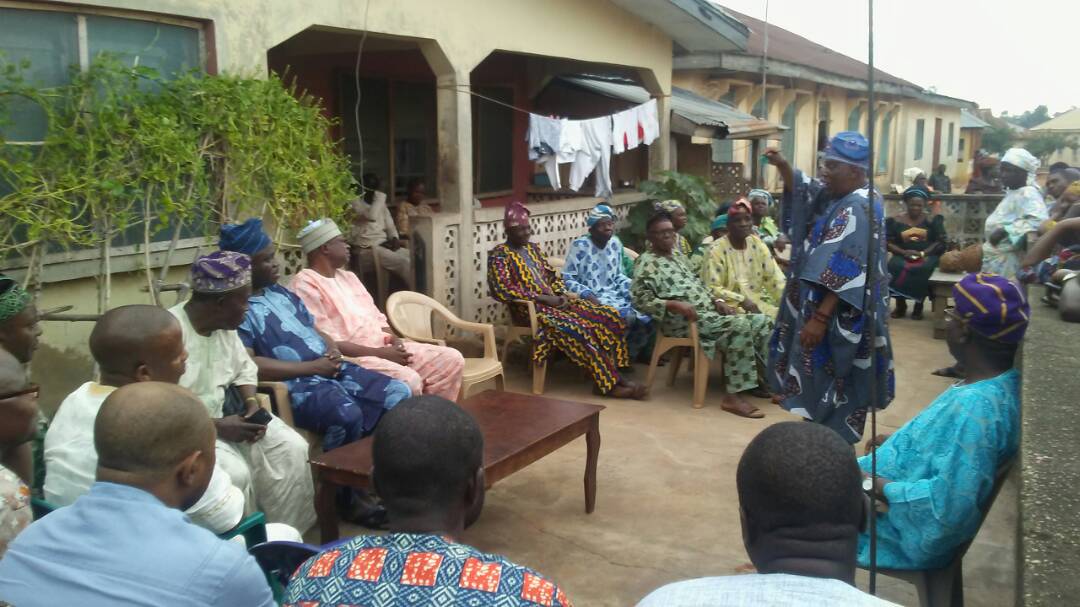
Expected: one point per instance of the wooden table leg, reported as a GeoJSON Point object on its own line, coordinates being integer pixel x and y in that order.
{"type": "Point", "coordinates": [941, 300]}
{"type": "Point", "coordinates": [326, 511]}
{"type": "Point", "coordinates": [592, 446]}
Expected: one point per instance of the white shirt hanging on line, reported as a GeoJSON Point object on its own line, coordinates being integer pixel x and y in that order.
{"type": "Point", "coordinates": [594, 155]}
{"type": "Point", "coordinates": [556, 142]}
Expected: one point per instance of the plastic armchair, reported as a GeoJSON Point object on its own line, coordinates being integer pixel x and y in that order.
{"type": "Point", "coordinates": [279, 403]}
{"type": "Point", "coordinates": [700, 362]}
{"type": "Point", "coordinates": [410, 315]}
{"type": "Point", "coordinates": [944, 587]}
{"type": "Point", "coordinates": [252, 527]}
{"type": "Point", "coordinates": [532, 331]}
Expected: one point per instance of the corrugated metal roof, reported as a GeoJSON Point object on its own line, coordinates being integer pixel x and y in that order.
{"type": "Point", "coordinates": [969, 120]}
{"type": "Point", "coordinates": [1069, 121]}
{"type": "Point", "coordinates": [693, 107]}
{"type": "Point", "coordinates": [695, 25]}
{"type": "Point", "coordinates": [793, 48]}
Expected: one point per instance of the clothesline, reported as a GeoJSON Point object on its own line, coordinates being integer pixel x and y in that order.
{"type": "Point", "coordinates": [462, 88]}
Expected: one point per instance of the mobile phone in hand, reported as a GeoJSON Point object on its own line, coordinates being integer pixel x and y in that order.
{"type": "Point", "coordinates": [261, 417]}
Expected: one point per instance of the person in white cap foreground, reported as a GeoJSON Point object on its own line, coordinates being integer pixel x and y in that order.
{"type": "Point", "coordinates": [344, 310]}
{"type": "Point", "coordinates": [1017, 218]}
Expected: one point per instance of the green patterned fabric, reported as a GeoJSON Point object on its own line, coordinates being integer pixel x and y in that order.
{"type": "Point", "coordinates": [743, 338]}
{"type": "Point", "coordinates": [13, 299]}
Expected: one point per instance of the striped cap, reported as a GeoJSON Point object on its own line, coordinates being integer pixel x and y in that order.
{"type": "Point", "coordinates": [993, 306]}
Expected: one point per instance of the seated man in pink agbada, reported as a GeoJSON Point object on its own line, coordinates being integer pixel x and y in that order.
{"type": "Point", "coordinates": [344, 310]}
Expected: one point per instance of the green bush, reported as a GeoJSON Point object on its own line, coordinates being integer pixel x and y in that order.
{"type": "Point", "coordinates": [125, 149]}
{"type": "Point", "coordinates": [695, 193]}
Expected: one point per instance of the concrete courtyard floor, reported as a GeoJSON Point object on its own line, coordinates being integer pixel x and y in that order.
{"type": "Point", "coordinates": [667, 508]}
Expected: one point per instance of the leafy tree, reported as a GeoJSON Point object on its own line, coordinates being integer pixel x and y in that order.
{"type": "Point", "coordinates": [1029, 118]}
{"type": "Point", "coordinates": [997, 139]}
{"type": "Point", "coordinates": [1045, 144]}
{"type": "Point", "coordinates": [695, 193]}
{"type": "Point", "coordinates": [126, 149]}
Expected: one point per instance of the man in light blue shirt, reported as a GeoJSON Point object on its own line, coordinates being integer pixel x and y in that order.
{"type": "Point", "coordinates": [127, 542]}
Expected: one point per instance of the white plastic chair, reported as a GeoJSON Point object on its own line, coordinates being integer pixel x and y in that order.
{"type": "Point", "coordinates": [410, 314]}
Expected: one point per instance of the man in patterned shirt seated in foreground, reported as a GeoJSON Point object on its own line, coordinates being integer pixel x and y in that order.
{"type": "Point", "coordinates": [428, 456]}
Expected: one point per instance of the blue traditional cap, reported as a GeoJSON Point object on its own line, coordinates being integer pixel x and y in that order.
{"type": "Point", "coordinates": [916, 191]}
{"type": "Point", "coordinates": [848, 147]}
{"type": "Point", "coordinates": [248, 238]}
{"type": "Point", "coordinates": [220, 272]}
{"type": "Point", "coordinates": [763, 194]}
{"type": "Point", "coordinates": [600, 211]}
{"type": "Point", "coordinates": [720, 223]}
{"type": "Point", "coordinates": [993, 306]}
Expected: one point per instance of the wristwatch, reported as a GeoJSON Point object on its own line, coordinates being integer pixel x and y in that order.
{"type": "Point", "coordinates": [867, 484]}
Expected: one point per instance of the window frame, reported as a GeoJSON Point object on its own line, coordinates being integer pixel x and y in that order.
{"type": "Point", "coordinates": [477, 143]}
{"type": "Point", "coordinates": [920, 135]}
{"type": "Point", "coordinates": [85, 263]}
{"type": "Point", "coordinates": [952, 140]}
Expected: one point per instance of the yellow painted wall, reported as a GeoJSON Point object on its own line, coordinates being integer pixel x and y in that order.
{"type": "Point", "coordinates": [466, 31]}
{"type": "Point", "coordinates": [902, 130]}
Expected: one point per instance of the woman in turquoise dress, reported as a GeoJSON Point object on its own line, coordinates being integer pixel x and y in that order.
{"type": "Point", "coordinates": [916, 241]}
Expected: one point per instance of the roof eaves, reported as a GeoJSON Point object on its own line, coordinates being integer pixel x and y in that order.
{"type": "Point", "coordinates": [694, 25]}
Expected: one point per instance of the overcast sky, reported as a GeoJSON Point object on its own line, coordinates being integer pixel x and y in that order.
{"type": "Point", "coordinates": [1003, 55]}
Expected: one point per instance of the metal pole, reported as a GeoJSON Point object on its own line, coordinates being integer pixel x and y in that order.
{"type": "Point", "coordinates": [764, 70]}
{"type": "Point", "coordinates": [872, 294]}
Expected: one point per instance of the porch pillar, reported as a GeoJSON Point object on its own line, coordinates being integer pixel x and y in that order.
{"type": "Point", "coordinates": [660, 150]}
{"type": "Point", "coordinates": [453, 106]}
{"type": "Point", "coordinates": [454, 174]}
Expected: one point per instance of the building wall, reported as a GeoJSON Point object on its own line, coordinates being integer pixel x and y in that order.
{"type": "Point", "coordinates": [455, 36]}
{"type": "Point", "coordinates": [466, 31]}
{"type": "Point", "coordinates": [1067, 155]}
{"type": "Point", "coordinates": [841, 103]}
{"type": "Point", "coordinates": [916, 110]}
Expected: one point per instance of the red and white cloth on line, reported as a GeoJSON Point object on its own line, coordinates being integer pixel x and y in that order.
{"type": "Point", "coordinates": [635, 126]}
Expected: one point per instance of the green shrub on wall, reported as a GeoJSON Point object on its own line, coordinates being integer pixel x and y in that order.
{"type": "Point", "coordinates": [126, 149]}
{"type": "Point", "coordinates": [695, 193]}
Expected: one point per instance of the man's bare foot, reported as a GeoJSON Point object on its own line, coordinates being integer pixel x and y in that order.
{"type": "Point", "coordinates": [735, 404]}
{"type": "Point", "coordinates": [626, 390]}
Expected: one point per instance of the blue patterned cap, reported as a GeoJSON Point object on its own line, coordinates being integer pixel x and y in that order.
{"type": "Point", "coordinates": [600, 211]}
{"type": "Point", "coordinates": [248, 238]}
{"type": "Point", "coordinates": [916, 191]}
{"type": "Point", "coordinates": [993, 306]}
{"type": "Point", "coordinates": [848, 147]}
{"type": "Point", "coordinates": [220, 272]}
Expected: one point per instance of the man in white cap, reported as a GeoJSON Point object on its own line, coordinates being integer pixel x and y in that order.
{"type": "Point", "coordinates": [344, 310]}
{"type": "Point", "coordinates": [1016, 220]}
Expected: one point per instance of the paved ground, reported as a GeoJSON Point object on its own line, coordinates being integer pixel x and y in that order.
{"type": "Point", "coordinates": [667, 507]}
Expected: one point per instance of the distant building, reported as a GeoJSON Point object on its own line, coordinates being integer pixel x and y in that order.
{"type": "Point", "coordinates": [1067, 124]}
{"type": "Point", "coordinates": [816, 92]}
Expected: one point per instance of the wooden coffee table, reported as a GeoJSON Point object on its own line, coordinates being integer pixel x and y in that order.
{"type": "Point", "coordinates": [518, 429]}
{"type": "Point", "coordinates": [941, 284]}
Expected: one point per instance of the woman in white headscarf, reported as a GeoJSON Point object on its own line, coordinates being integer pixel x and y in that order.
{"type": "Point", "coordinates": [1017, 217]}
